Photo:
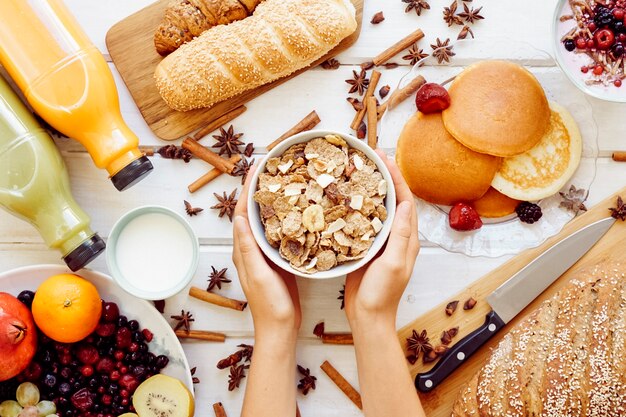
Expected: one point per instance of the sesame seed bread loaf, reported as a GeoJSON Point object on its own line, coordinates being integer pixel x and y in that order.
{"type": "Point", "coordinates": [568, 358]}
{"type": "Point", "coordinates": [281, 37]}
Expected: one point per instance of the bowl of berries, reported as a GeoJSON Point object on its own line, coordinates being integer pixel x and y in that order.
{"type": "Point", "coordinates": [590, 46]}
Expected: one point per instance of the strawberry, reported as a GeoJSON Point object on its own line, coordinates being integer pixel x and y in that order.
{"type": "Point", "coordinates": [432, 98]}
{"type": "Point", "coordinates": [464, 218]}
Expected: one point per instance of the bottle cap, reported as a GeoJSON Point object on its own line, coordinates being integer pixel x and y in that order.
{"type": "Point", "coordinates": [85, 253]}
{"type": "Point", "coordinates": [132, 173]}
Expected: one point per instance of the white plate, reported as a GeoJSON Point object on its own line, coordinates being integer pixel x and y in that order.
{"type": "Point", "coordinates": [504, 236]}
{"type": "Point", "coordinates": [165, 341]}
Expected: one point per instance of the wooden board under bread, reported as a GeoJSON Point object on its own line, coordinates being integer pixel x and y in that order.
{"type": "Point", "coordinates": [131, 46]}
{"type": "Point", "coordinates": [610, 248]}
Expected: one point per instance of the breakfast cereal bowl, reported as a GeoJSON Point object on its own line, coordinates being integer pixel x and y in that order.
{"type": "Point", "coordinates": [325, 201]}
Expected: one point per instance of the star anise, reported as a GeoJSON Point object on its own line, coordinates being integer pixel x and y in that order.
{"type": "Point", "coordinates": [194, 378]}
{"type": "Point", "coordinates": [184, 320]}
{"type": "Point", "coordinates": [464, 32]}
{"type": "Point", "coordinates": [192, 211]}
{"type": "Point", "coordinates": [359, 82]}
{"type": "Point", "coordinates": [216, 278]}
{"type": "Point", "coordinates": [574, 199]}
{"type": "Point", "coordinates": [226, 204]}
{"type": "Point", "coordinates": [619, 212]}
{"type": "Point", "coordinates": [417, 5]}
{"type": "Point", "coordinates": [471, 15]}
{"type": "Point", "coordinates": [228, 141]}
{"type": "Point", "coordinates": [415, 54]}
{"type": "Point", "coordinates": [450, 16]}
{"type": "Point", "coordinates": [174, 152]}
{"type": "Point", "coordinates": [242, 168]}
{"type": "Point", "coordinates": [307, 382]}
{"type": "Point", "coordinates": [341, 297]}
{"type": "Point", "coordinates": [330, 64]}
{"type": "Point", "coordinates": [418, 343]}
{"type": "Point", "coordinates": [442, 50]}
{"type": "Point", "coordinates": [237, 374]}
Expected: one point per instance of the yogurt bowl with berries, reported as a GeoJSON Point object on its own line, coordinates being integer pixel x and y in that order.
{"type": "Point", "coordinates": [590, 46]}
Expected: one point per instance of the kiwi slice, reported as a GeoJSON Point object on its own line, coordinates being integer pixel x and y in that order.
{"type": "Point", "coordinates": [163, 396]}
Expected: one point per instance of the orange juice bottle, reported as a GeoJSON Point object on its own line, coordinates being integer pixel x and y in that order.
{"type": "Point", "coordinates": [68, 83]}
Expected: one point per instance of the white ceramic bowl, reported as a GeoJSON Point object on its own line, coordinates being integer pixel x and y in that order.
{"type": "Point", "coordinates": [259, 232]}
{"type": "Point", "coordinates": [571, 62]}
{"type": "Point", "coordinates": [178, 284]}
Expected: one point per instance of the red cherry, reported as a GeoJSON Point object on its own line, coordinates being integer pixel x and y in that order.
{"type": "Point", "coordinates": [617, 83]}
{"type": "Point", "coordinates": [598, 70]}
{"type": "Point", "coordinates": [618, 13]}
{"type": "Point", "coordinates": [604, 38]}
{"type": "Point", "coordinates": [584, 69]}
{"type": "Point", "coordinates": [581, 43]}
{"type": "Point", "coordinates": [592, 27]}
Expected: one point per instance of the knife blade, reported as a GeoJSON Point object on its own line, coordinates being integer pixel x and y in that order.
{"type": "Point", "coordinates": [514, 295]}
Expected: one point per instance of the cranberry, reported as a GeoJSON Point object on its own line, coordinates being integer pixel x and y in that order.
{"type": "Point", "coordinates": [124, 393]}
{"type": "Point", "coordinates": [105, 366]}
{"type": "Point", "coordinates": [598, 70]}
{"type": "Point", "coordinates": [82, 399]}
{"type": "Point", "coordinates": [123, 370]}
{"type": "Point", "coordinates": [148, 335]}
{"type": "Point", "coordinates": [118, 355]}
{"type": "Point", "coordinates": [617, 83]}
{"type": "Point", "coordinates": [134, 347]}
{"type": "Point", "coordinates": [581, 43]}
{"type": "Point", "coordinates": [123, 338]}
{"type": "Point", "coordinates": [592, 27]}
{"type": "Point", "coordinates": [622, 37]}
{"type": "Point", "coordinates": [106, 399]}
{"type": "Point", "coordinates": [114, 375]}
{"type": "Point", "coordinates": [604, 38]}
{"type": "Point", "coordinates": [124, 401]}
{"type": "Point", "coordinates": [65, 359]}
{"type": "Point", "coordinates": [618, 14]}
{"type": "Point", "coordinates": [86, 370]}
{"type": "Point", "coordinates": [110, 312]}
{"type": "Point", "coordinates": [87, 354]}
{"type": "Point", "coordinates": [105, 329]}
{"type": "Point", "coordinates": [101, 390]}
{"type": "Point", "coordinates": [584, 69]}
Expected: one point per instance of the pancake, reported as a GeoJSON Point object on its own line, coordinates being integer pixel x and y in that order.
{"type": "Point", "coordinates": [497, 108]}
{"type": "Point", "coordinates": [495, 204]}
{"type": "Point", "coordinates": [546, 168]}
{"type": "Point", "coordinates": [437, 167]}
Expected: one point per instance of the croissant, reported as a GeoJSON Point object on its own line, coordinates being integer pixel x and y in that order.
{"type": "Point", "coordinates": [187, 19]}
{"type": "Point", "coordinates": [568, 358]}
{"type": "Point", "coordinates": [281, 37]}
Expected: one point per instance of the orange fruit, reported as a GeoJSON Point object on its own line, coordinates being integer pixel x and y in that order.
{"type": "Point", "coordinates": [67, 308]}
{"type": "Point", "coordinates": [495, 204]}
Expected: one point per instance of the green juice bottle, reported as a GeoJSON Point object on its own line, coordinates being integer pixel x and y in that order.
{"type": "Point", "coordinates": [34, 184]}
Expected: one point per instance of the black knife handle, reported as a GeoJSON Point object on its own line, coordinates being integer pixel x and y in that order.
{"type": "Point", "coordinates": [459, 353]}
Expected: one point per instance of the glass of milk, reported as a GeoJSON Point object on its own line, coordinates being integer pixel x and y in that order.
{"type": "Point", "coordinates": [152, 252]}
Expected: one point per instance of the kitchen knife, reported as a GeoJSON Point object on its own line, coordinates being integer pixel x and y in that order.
{"type": "Point", "coordinates": [514, 295]}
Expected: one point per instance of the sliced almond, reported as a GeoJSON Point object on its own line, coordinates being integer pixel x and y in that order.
{"type": "Point", "coordinates": [358, 162]}
{"type": "Point", "coordinates": [273, 187]}
{"type": "Point", "coordinates": [330, 166]}
{"type": "Point", "coordinates": [312, 264]}
{"type": "Point", "coordinates": [356, 203]}
{"type": "Point", "coordinates": [310, 156]}
{"type": "Point", "coordinates": [377, 224]}
{"type": "Point", "coordinates": [294, 188]}
{"type": "Point", "coordinates": [293, 200]}
{"type": "Point", "coordinates": [366, 236]}
{"type": "Point", "coordinates": [382, 188]}
{"type": "Point", "coordinates": [324, 180]}
{"type": "Point", "coordinates": [336, 226]}
{"type": "Point", "coordinates": [285, 167]}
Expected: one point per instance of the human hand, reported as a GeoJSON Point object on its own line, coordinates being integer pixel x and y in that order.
{"type": "Point", "coordinates": [271, 292]}
{"type": "Point", "coordinates": [373, 292]}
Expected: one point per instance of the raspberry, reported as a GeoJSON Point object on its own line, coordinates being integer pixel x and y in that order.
{"type": "Point", "coordinates": [528, 212]}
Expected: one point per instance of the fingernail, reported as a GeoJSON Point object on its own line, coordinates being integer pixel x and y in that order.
{"type": "Point", "coordinates": [404, 210]}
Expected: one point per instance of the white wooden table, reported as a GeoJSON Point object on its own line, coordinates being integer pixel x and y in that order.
{"type": "Point", "coordinates": [438, 274]}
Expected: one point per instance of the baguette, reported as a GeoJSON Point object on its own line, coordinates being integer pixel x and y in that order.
{"type": "Point", "coordinates": [186, 19]}
{"type": "Point", "coordinates": [568, 358]}
{"type": "Point", "coordinates": [281, 37]}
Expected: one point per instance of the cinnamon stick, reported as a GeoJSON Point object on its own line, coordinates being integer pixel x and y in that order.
{"type": "Point", "coordinates": [342, 384]}
{"type": "Point", "coordinates": [207, 155]}
{"type": "Point", "coordinates": [201, 335]}
{"type": "Point", "coordinates": [298, 411]}
{"type": "Point", "coordinates": [402, 94]}
{"type": "Point", "coordinates": [619, 156]}
{"type": "Point", "coordinates": [309, 122]}
{"type": "Point", "coordinates": [218, 408]}
{"type": "Point", "coordinates": [147, 150]}
{"type": "Point", "coordinates": [398, 47]}
{"type": "Point", "coordinates": [210, 176]}
{"type": "Point", "coordinates": [219, 122]}
{"type": "Point", "coordinates": [372, 122]}
{"type": "Point", "coordinates": [371, 88]}
{"type": "Point", "coordinates": [217, 299]}
{"type": "Point", "coordinates": [337, 339]}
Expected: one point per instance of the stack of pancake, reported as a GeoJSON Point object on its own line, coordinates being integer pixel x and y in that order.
{"type": "Point", "coordinates": [500, 142]}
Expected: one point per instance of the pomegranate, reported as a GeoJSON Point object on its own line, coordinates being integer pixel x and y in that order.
{"type": "Point", "coordinates": [18, 336]}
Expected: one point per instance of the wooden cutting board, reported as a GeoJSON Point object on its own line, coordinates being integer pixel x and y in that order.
{"type": "Point", "coordinates": [610, 248]}
{"type": "Point", "coordinates": [130, 44]}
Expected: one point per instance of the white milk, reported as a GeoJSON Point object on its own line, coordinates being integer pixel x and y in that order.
{"type": "Point", "coordinates": [154, 252]}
